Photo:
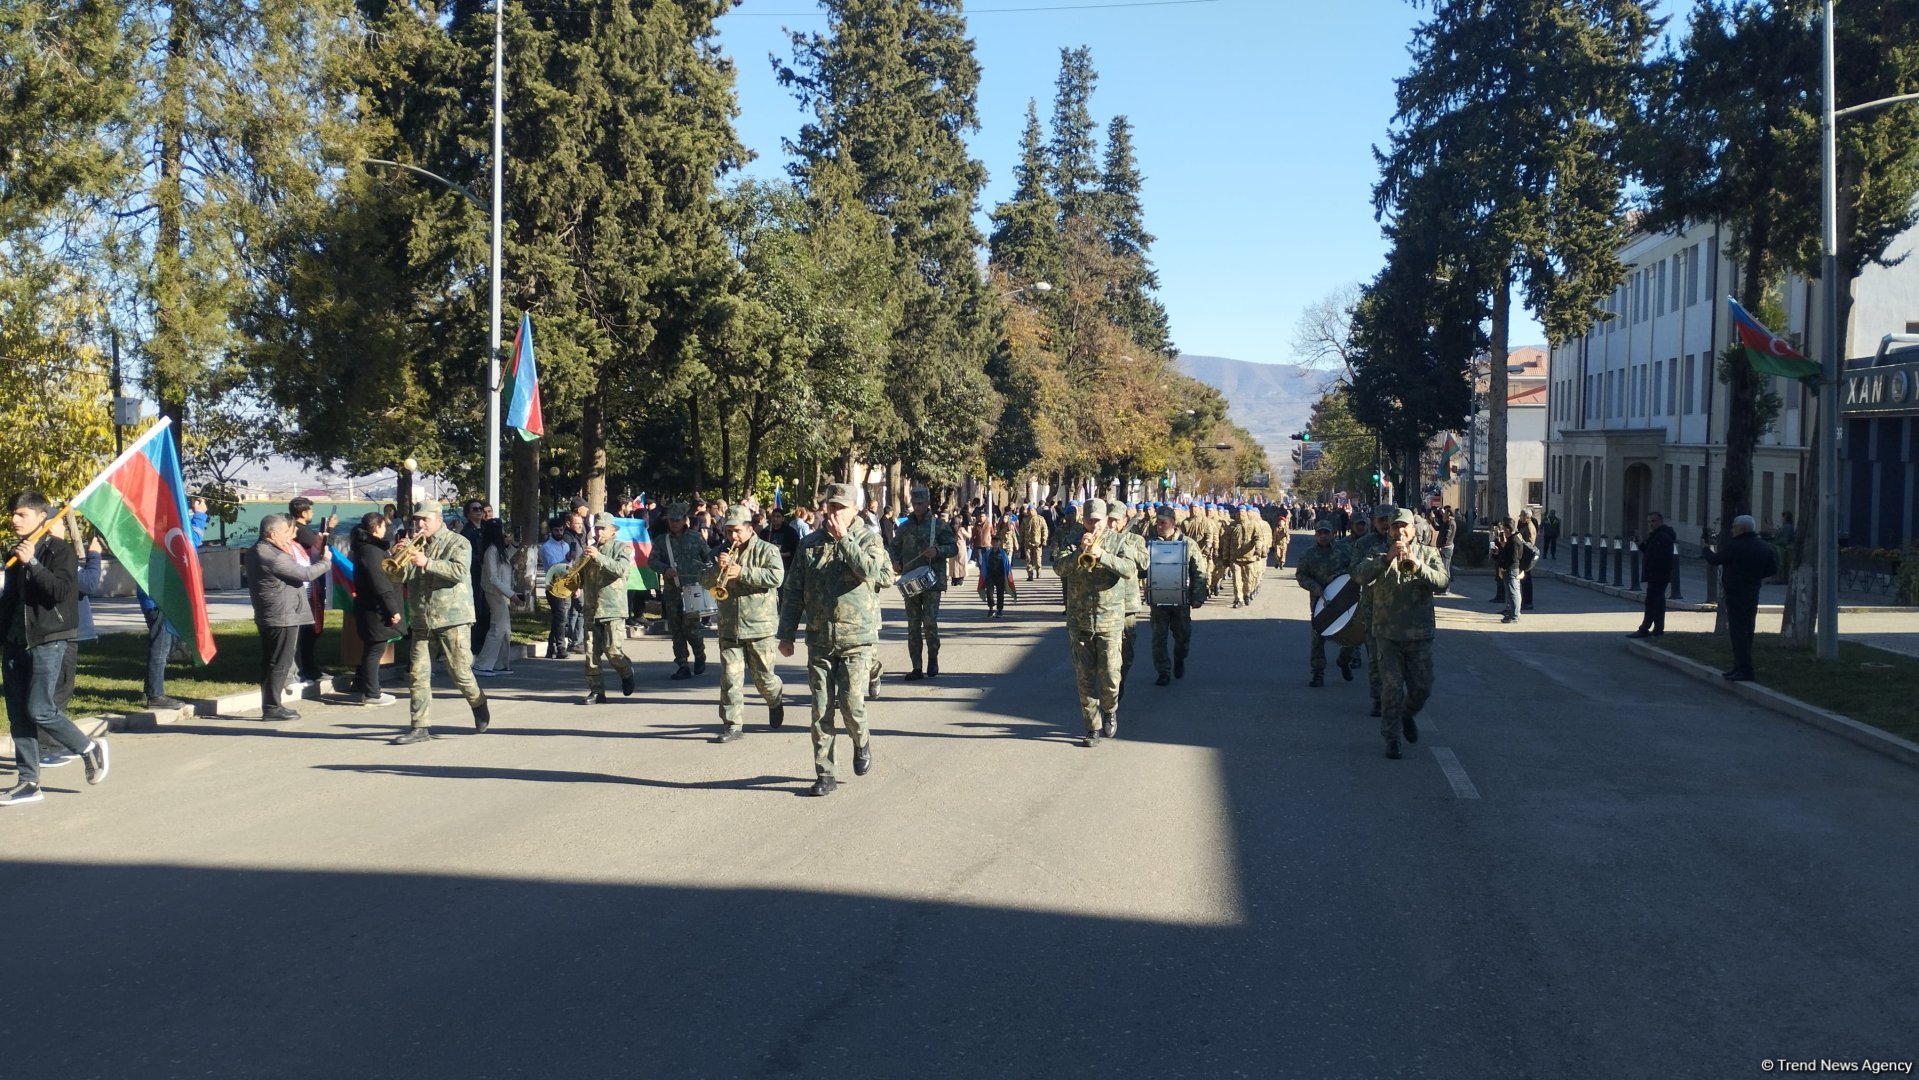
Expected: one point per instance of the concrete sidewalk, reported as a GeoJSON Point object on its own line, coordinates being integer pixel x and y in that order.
{"type": "Point", "coordinates": [1692, 582]}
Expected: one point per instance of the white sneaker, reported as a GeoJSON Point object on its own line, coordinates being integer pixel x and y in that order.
{"type": "Point", "coordinates": [375, 702]}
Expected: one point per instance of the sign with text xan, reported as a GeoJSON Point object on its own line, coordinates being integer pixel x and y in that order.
{"type": "Point", "coordinates": [1892, 388]}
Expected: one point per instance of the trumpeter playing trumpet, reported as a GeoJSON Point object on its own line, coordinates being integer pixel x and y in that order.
{"type": "Point", "coordinates": [1097, 572]}
{"type": "Point", "coordinates": [600, 575]}
{"type": "Point", "coordinates": [746, 581]}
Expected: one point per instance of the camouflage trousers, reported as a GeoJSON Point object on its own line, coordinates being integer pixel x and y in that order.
{"type": "Point", "coordinates": [1096, 663]}
{"type": "Point", "coordinates": [1033, 558]}
{"type": "Point", "coordinates": [738, 659]}
{"type": "Point", "coordinates": [1405, 678]}
{"type": "Point", "coordinates": [688, 639]}
{"type": "Point", "coordinates": [456, 646]}
{"type": "Point", "coordinates": [604, 650]}
{"type": "Point", "coordinates": [923, 626]}
{"type": "Point", "coordinates": [1319, 654]}
{"type": "Point", "coordinates": [838, 679]}
{"type": "Point", "coordinates": [1176, 624]}
{"type": "Point", "coordinates": [1245, 577]}
{"type": "Point", "coordinates": [1126, 650]}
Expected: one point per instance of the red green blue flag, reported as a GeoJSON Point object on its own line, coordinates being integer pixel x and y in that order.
{"type": "Point", "coordinates": [1767, 351]}
{"type": "Point", "coordinates": [523, 407]}
{"type": "Point", "coordinates": [341, 578]}
{"type": "Point", "coordinates": [139, 506]}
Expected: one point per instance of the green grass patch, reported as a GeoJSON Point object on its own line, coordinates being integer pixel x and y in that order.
{"type": "Point", "coordinates": [1867, 684]}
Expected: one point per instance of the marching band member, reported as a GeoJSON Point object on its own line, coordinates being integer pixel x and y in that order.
{"type": "Point", "coordinates": [606, 560]}
{"type": "Point", "coordinates": [1175, 621]}
{"type": "Point", "coordinates": [923, 540]}
{"type": "Point", "coordinates": [746, 579]}
{"type": "Point", "coordinates": [1096, 575]}
{"type": "Point", "coordinates": [440, 597]}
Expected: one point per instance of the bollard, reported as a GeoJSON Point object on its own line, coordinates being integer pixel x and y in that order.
{"type": "Point", "coordinates": [1712, 584]}
{"type": "Point", "coordinates": [1637, 579]}
{"type": "Point", "coordinates": [1588, 575]}
{"type": "Point", "coordinates": [1618, 561]}
{"type": "Point", "coordinates": [1605, 553]}
{"type": "Point", "coordinates": [1676, 574]}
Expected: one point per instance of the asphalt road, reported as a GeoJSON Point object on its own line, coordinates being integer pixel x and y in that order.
{"type": "Point", "coordinates": [1588, 867]}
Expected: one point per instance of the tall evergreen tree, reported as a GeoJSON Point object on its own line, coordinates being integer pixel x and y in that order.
{"type": "Point", "coordinates": [1025, 240]}
{"type": "Point", "coordinates": [66, 76]}
{"type": "Point", "coordinates": [892, 88]}
{"type": "Point", "coordinates": [1075, 153]}
{"type": "Point", "coordinates": [1133, 304]}
{"type": "Point", "coordinates": [1513, 160]}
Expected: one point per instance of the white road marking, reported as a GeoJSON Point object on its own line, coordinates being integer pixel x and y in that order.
{"type": "Point", "coordinates": [1455, 773]}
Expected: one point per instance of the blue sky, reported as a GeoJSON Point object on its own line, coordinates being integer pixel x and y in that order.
{"type": "Point", "coordinates": [1254, 122]}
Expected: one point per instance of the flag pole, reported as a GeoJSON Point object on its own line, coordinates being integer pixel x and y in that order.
{"type": "Point", "coordinates": [1826, 640]}
{"type": "Point", "coordinates": [493, 332]}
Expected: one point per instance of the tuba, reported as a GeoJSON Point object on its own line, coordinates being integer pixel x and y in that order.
{"type": "Point", "coordinates": [396, 560]}
{"type": "Point", "coordinates": [567, 581]}
{"type": "Point", "coordinates": [727, 558]}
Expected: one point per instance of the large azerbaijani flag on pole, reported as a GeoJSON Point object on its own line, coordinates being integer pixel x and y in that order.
{"type": "Point", "coordinates": [523, 407]}
{"type": "Point", "coordinates": [139, 505]}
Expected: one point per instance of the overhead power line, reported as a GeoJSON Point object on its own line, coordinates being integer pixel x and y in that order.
{"type": "Point", "coordinates": [1004, 10]}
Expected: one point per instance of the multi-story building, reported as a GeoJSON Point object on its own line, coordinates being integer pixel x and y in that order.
{"type": "Point", "coordinates": [1637, 414]}
{"type": "Point", "coordinates": [1527, 374]}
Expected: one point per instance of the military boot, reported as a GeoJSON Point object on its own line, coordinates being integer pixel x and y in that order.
{"type": "Point", "coordinates": [1319, 679]}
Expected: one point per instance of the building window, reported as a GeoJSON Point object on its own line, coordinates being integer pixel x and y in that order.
{"type": "Point", "coordinates": [1765, 501]}
{"type": "Point", "coordinates": [1692, 275]}
{"type": "Point", "coordinates": [1672, 385]}
{"type": "Point", "coordinates": [1658, 377]}
{"type": "Point", "coordinates": [1659, 287]}
{"type": "Point", "coordinates": [1535, 493]}
{"type": "Point", "coordinates": [1792, 489]}
{"type": "Point", "coordinates": [1685, 489]}
{"type": "Point", "coordinates": [1689, 384]}
{"type": "Point", "coordinates": [1678, 270]}
{"type": "Point", "coordinates": [1704, 517]}
{"type": "Point", "coordinates": [1665, 486]}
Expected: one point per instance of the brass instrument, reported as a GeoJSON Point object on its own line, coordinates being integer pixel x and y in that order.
{"type": "Point", "coordinates": [1089, 560]}
{"type": "Point", "coordinates": [402, 554]}
{"type": "Point", "coordinates": [727, 558]}
{"type": "Point", "coordinates": [567, 581]}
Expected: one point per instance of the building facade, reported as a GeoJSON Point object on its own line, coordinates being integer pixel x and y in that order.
{"type": "Point", "coordinates": [1637, 413]}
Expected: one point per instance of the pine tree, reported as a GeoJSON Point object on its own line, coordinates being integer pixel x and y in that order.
{"type": "Point", "coordinates": [1513, 161]}
{"type": "Point", "coordinates": [1075, 166]}
{"type": "Point", "coordinates": [66, 77]}
{"type": "Point", "coordinates": [1133, 305]}
{"type": "Point", "coordinates": [1025, 240]}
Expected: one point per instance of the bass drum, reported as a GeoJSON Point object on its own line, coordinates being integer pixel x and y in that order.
{"type": "Point", "coordinates": [1166, 573]}
{"type": "Point", "coordinates": [697, 601]}
{"type": "Point", "coordinates": [919, 580]}
{"type": "Point", "coordinates": [1336, 615]}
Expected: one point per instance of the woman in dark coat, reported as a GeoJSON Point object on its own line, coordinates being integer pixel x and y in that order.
{"type": "Point", "coordinates": [376, 604]}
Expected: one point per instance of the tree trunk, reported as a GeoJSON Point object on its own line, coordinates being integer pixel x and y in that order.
{"type": "Point", "coordinates": [1496, 494]}
{"type": "Point", "coordinates": [699, 445]}
{"type": "Point", "coordinates": [402, 498]}
{"type": "Point", "coordinates": [846, 466]}
{"type": "Point", "coordinates": [169, 350]}
{"type": "Point", "coordinates": [593, 448]}
{"type": "Point", "coordinates": [755, 438]}
{"type": "Point", "coordinates": [814, 499]}
{"type": "Point", "coordinates": [727, 490]}
{"type": "Point", "coordinates": [523, 504]}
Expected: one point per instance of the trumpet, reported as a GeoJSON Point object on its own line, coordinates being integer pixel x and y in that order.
{"type": "Point", "coordinates": [402, 554]}
{"type": "Point", "coordinates": [727, 558]}
{"type": "Point", "coordinates": [567, 581]}
{"type": "Point", "coordinates": [1089, 560]}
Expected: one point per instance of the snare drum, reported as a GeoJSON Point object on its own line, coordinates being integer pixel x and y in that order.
{"type": "Point", "coordinates": [1336, 615]}
{"type": "Point", "coordinates": [697, 601]}
{"type": "Point", "coordinates": [1166, 573]}
{"type": "Point", "coordinates": [919, 580]}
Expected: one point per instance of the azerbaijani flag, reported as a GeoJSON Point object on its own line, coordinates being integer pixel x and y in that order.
{"type": "Point", "coordinates": [1767, 351]}
{"type": "Point", "coordinates": [1448, 452]}
{"type": "Point", "coordinates": [523, 408]}
{"type": "Point", "coordinates": [139, 505]}
{"type": "Point", "coordinates": [635, 532]}
{"type": "Point", "coordinates": [341, 577]}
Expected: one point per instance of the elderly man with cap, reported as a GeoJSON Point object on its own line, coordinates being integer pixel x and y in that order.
{"type": "Point", "coordinates": [923, 539]}
{"type": "Point", "coordinates": [1402, 576]}
{"type": "Point", "coordinates": [746, 578]}
{"type": "Point", "coordinates": [681, 557]}
{"type": "Point", "coordinates": [1376, 539]}
{"type": "Point", "coordinates": [1096, 575]}
{"type": "Point", "coordinates": [441, 599]}
{"type": "Point", "coordinates": [1318, 566]}
{"type": "Point", "coordinates": [1175, 621]}
{"type": "Point", "coordinates": [834, 586]}
{"type": "Point", "coordinates": [607, 561]}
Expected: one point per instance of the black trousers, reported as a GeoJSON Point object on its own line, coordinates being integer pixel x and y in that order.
{"type": "Point", "coordinates": [1742, 612]}
{"type": "Point", "coordinates": [372, 649]}
{"type": "Point", "coordinates": [277, 646]}
{"type": "Point", "coordinates": [483, 620]}
{"type": "Point", "coordinates": [1655, 618]}
{"type": "Point", "coordinates": [308, 639]}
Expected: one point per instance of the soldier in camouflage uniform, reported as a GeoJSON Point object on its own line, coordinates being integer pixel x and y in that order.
{"type": "Point", "coordinates": [834, 585]}
{"type": "Point", "coordinates": [750, 570]}
{"type": "Point", "coordinates": [682, 556]}
{"type": "Point", "coordinates": [440, 598]}
{"type": "Point", "coordinates": [1175, 621]}
{"type": "Point", "coordinates": [608, 560]}
{"type": "Point", "coordinates": [1033, 534]}
{"type": "Point", "coordinates": [1095, 615]}
{"type": "Point", "coordinates": [1262, 545]}
{"type": "Point", "coordinates": [1282, 537]}
{"type": "Point", "coordinates": [1133, 546]}
{"type": "Point", "coordinates": [1239, 550]}
{"type": "Point", "coordinates": [923, 540]}
{"type": "Point", "coordinates": [1318, 566]}
{"type": "Point", "coordinates": [1196, 527]}
{"type": "Point", "coordinates": [1403, 575]}
{"type": "Point", "coordinates": [1374, 540]}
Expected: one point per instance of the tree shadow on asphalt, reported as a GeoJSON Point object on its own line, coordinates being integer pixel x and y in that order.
{"type": "Point", "coordinates": [769, 784]}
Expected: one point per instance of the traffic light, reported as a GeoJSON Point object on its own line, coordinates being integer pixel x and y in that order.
{"type": "Point", "coordinates": [1301, 436]}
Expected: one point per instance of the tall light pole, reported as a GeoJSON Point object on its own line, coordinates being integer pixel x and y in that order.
{"type": "Point", "coordinates": [493, 332]}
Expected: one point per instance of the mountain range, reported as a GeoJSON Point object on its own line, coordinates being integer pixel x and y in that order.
{"type": "Point", "coordinates": [1270, 400]}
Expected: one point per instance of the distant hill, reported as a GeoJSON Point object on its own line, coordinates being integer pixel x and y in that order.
{"type": "Point", "coordinates": [1270, 400]}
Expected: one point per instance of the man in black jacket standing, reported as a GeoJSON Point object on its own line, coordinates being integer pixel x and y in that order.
{"type": "Point", "coordinates": [39, 622]}
{"type": "Point", "coordinates": [1749, 561]}
{"type": "Point", "coordinates": [1659, 555]}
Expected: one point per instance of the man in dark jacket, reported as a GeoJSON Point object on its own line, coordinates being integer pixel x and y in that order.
{"type": "Point", "coordinates": [300, 512]}
{"type": "Point", "coordinates": [1659, 555]}
{"type": "Point", "coordinates": [1748, 562]}
{"type": "Point", "coordinates": [377, 604]}
{"type": "Point", "coordinates": [278, 574]}
{"type": "Point", "coordinates": [39, 622]}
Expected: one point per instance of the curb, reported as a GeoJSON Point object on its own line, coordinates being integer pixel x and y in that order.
{"type": "Point", "coordinates": [1882, 742]}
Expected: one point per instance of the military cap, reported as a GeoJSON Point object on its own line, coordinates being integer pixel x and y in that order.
{"type": "Point", "coordinates": [737, 515]}
{"type": "Point", "coordinates": [1167, 513]}
{"type": "Point", "coordinates": [1094, 508]}
{"type": "Point", "coordinates": [429, 508]}
{"type": "Point", "coordinates": [604, 520]}
{"type": "Point", "coordinates": [1324, 525]}
{"type": "Point", "coordinates": [676, 512]}
{"type": "Point", "coordinates": [1406, 517]}
{"type": "Point", "coordinates": [1386, 512]}
{"type": "Point", "coordinates": [840, 495]}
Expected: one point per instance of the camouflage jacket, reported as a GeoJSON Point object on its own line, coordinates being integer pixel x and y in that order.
{"type": "Point", "coordinates": [834, 586]}
{"type": "Point", "coordinates": [751, 610]}
{"type": "Point", "coordinates": [440, 594]}
{"type": "Point", "coordinates": [1402, 599]}
{"type": "Point", "coordinates": [1096, 598]}
{"type": "Point", "coordinates": [1319, 566]}
{"type": "Point", "coordinates": [1200, 531]}
{"type": "Point", "coordinates": [1032, 530]}
{"type": "Point", "coordinates": [910, 542]}
{"type": "Point", "coordinates": [603, 582]}
{"type": "Point", "coordinates": [1133, 546]}
{"type": "Point", "coordinates": [1240, 543]}
{"type": "Point", "coordinates": [686, 553]}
